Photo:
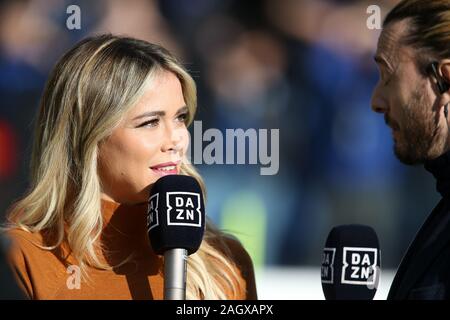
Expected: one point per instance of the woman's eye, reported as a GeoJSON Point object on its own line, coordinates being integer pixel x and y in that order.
{"type": "Point", "coordinates": [150, 123]}
{"type": "Point", "coordinates": [182, 117]}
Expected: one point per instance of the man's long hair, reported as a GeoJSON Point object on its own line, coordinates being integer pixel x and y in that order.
{"type": "Point", "coordinates": [428, 30]}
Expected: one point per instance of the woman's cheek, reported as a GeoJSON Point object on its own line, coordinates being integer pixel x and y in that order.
{"type": "Point", "coordinates": [150, 143]}
{"type": "Point", "coordinates": [186, 138]}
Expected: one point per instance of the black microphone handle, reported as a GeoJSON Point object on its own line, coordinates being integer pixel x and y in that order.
{"type": "Point", "coordinates": [175, 274]}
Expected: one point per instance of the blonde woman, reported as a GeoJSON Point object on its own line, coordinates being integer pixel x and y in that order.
{"type": "Point", "coordinates": [113, 119]}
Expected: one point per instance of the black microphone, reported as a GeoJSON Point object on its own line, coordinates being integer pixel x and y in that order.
{"type": "Point", "coordinates": [351, 263]}
{"type": "Point", "coordinates": [175, 223]}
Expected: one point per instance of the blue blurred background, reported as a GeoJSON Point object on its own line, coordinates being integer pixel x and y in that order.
{"type": "Point", "coordinates": [303, 67]}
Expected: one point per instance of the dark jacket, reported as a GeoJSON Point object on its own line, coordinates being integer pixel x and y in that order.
{"type": "Point", "coordinates": [424, 272]}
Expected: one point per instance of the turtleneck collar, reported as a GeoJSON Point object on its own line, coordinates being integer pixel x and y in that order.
{"type": "Point", "coordinates": [124, 232]}
{"type": "Point", "coordinates": [126, 220]}
{"type": "Point", "coordinates": [440, 168]}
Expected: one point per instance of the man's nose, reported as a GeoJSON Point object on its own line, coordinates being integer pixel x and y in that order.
{"type": "Point", "coordinates": [378, 103]}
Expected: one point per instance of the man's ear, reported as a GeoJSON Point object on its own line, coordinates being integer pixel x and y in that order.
{"type": "Point", "coordinates": [444, 73]}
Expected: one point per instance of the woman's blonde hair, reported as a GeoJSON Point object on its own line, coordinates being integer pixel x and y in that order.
{"type": "Point", "coordinates": [89, 91]}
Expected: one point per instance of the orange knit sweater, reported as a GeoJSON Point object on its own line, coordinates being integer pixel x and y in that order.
{"type": "Point", "coordinates": [44, 274]}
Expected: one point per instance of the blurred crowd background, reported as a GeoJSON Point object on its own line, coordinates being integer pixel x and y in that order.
{"type": "Point", "coordinates": [304, 67]}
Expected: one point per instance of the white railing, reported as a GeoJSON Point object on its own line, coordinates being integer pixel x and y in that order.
{"type": "Point", "coordinates": [276, 283]}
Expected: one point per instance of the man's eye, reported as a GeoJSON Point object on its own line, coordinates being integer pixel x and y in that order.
{"type": "Point", "coordinates": [384, 78]}
{"type": "Point", "coordinates": [150, 123]}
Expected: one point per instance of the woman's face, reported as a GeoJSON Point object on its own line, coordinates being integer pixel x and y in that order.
{"type": "Point", "coordinates": [150, 143]}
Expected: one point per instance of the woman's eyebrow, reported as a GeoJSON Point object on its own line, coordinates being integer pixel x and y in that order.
{"type": "Point", "coordinates": [183, 109]}
{"type": "Point", "coordinates": [149, 114]}
{"type": "Point", "coordinates": [158, 113]}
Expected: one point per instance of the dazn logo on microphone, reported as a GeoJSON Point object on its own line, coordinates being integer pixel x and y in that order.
{"type": "Point", "coordinates": [152, 215]}
{"type": "Point", "coordinates": [359, 266]}
{"type": "Point", "coordinates": [327, 269]}
{"type": "Point", "coordinates": [183, 209]}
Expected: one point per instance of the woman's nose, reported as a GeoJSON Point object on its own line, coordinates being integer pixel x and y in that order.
{"type": "Point", "coordinates": [173, 138]}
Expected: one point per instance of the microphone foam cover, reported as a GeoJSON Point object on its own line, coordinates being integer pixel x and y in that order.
{"type": "Point", "coordinates": [176, 214]}
{"type": "Point", "coordinates": [351, 263]}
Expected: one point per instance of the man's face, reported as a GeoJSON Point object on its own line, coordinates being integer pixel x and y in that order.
{"type": "Point", "coordinates": [408, 100]}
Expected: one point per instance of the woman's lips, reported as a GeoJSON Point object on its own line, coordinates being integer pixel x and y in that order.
{"type": "Point", "coordinates": [165, 169]}
{"type": "Point", "coordinates": [165, 172]}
